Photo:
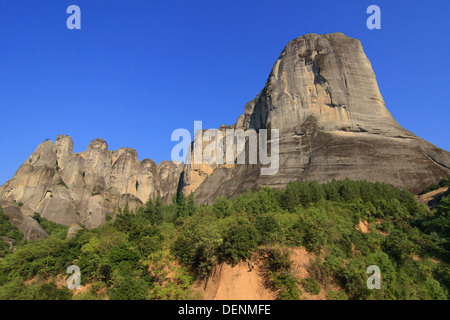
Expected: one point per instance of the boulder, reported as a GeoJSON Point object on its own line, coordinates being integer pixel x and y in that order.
{"type": "Point", "coordinates": [30, 228]}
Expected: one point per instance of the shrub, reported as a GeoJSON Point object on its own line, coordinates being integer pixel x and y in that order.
{"type": "Point", "coordinates": [336, 295]}
{"type": "Point", "coordinates": [128, 288]}
{"type": "Point", "coordinates": [311, 285]}
{"type": "Point", "coordinates": [10, 231]}
{"type": "Point", "coordinates": [240, 241]}
{"type": "Point", "coordinates": [353, 277]}
{"type": "Point", "coordinates": [198, 242]}
{"type": "Point", "coordinates": [279, 268]}
{"type": "Point", "coordinates": [18, 290]}
{"type": "Point", "coordinates": [63, 184]}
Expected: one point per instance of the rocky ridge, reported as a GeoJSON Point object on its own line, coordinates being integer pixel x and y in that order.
{"type": "Point", "coordinates": [83, 188]}
{"type": "Point", "coordinates": [322, 96]}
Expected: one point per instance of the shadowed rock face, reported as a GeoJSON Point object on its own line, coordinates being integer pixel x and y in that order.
{"type": "Point", "coordinates": [83, 188]}
{"type": "Point", "coordinates": [323, 97]}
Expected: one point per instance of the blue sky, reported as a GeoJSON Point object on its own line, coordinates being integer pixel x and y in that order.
{"type": "Point", "coordinates": [137, 70]}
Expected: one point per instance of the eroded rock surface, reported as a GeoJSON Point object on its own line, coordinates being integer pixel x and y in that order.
{"type": "Point", "coordinates": [30, 228]}
{"type": "Point", "coordinates": [323, 97]}
{"type": "Point", "coordinates": [82, 188]}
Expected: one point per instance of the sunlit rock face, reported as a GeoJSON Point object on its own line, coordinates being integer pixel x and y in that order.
{"type": "Point", "coordinates": [323, 97]}
{"type": "Point", "coordinates": [83, 188]}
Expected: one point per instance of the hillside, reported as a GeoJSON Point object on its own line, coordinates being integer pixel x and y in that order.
{"type": "Point", "coordinates": [304, 242]}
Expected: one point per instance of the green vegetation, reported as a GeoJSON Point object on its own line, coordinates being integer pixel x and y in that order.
{"type": "Point", "coordinates": [17, 290]}
{"type": "Point", "coordinates": [9, 234]}
{"type": "Point", "coordinates": [63, 184]}
{"type": "Point", "coordinates": [311, 285]}
{"type": "Point", "coordinates": [52, 228]}
{"type": "Point", "coordinates": [279, 267]}
{"type": "Point", "coordinates": [159, 250]}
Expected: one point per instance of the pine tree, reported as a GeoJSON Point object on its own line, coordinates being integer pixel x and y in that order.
{"type": "Point", "coordinates": [181, 206]}
{"type": "Point", "coordinates": [191, 207]}
{"type": "Point", "coordinates": [158, 215]}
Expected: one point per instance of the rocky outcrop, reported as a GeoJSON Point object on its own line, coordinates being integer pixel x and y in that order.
{"type": "Point", "coordinates": [30, 227]}
{"type": "Point", "coordinates": [323, 97]}
{"type": "Point", "coordinates": [73, 230]}
{"type": "Point", "coordinates": [83, 188]}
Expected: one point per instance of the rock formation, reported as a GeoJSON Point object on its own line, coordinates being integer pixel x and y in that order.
{"type": "Point", "coordinates": [30, 228]}
{"type": "Point", "coordinates": [323, 97]}
{"type": "Point", "coordinates": [83, 188]}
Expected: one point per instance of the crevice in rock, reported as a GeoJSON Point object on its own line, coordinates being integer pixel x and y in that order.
{"type": "Point", "coordinates": [434, 160]}
{"type": "Point", "coordinates": [45, 196]}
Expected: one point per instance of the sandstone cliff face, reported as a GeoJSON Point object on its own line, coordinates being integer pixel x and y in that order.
{"type": "Point", "coordinates": [82, 188]}
{"type": "Point", "coordinates": [323, 97]}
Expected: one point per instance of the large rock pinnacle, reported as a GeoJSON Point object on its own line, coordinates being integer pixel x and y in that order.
{"type": "Point", "coordinates": [323, 97]}
{"type": "Point", "coordinates": [327, 76]}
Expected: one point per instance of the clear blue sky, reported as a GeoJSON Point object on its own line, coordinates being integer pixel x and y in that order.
{"type": "Point", "coordinates": [139, 69]}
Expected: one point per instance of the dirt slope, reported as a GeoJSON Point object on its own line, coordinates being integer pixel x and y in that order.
{"type": "Point", "coordinates": [228, 282]}
{"type": "Point", "coordinates": [432, 198]}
